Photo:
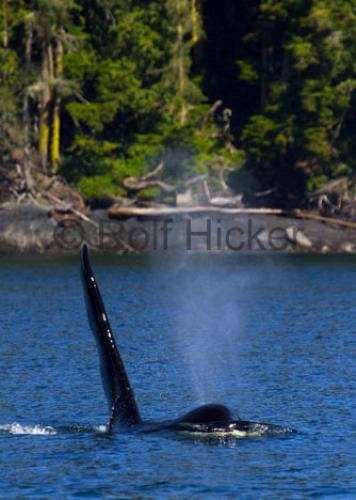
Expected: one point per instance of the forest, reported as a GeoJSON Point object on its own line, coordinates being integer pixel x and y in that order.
{"type": "Point", "coordinates": [257, 95]}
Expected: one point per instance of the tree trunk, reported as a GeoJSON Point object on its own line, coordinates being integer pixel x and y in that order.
{"type": "Point", "coordinates": [45, 105]}
{"type": "Point", "coordinates": [26, 164]}
{"type": "Point", "coordinates": [28, 57]}
{"type": "Point", "coordinates": [56, 123]}
{"type": "Point", "coordinates": [195, 21]}
{"type": "Point", "coordinates": [5, 36]}
{"type": "Point", "coordinates": [180, 56]}
{"type": "Point", "coordinates": [26, 168]}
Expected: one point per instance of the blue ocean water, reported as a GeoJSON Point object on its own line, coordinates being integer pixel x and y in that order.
{"type": "Point", "coordinates": [273, 338]}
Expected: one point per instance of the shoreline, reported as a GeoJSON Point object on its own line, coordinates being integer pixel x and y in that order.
{"type": "Point", "coordinates": [30, 229]}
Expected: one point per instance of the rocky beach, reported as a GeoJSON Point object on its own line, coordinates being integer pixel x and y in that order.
{"type": "Point", "coordinates": [31, 228]}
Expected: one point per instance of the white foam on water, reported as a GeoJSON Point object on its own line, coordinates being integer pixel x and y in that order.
{"type": "Point", "coordinates": [259, 430]}
{"type": "Point", "coordinates": [219, 434]}
{"type": "Point", "coordinates": [34, 430]}
{"type": "Point", "coordinates": [101, 428]}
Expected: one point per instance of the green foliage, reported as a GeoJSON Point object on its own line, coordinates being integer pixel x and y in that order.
{"type": "Point", "coordinates": [139, 103]}
{"type": "Point", "coordinates": [9, 77]}
{"type": "Point", "coordinates": [316, 182]}
{"type": "Point", "coordinates": [11, 80]}
{"type": "Point", "coordinates": [247, 72]}
{"type": "Point", "coordinates": [307, 79]}
{"type": "Point", "coordinates": [99, 187]}
{"type": "Point", "coordinates": [149, 194]}
{"type": "Point", "coordinates": [140, 79]}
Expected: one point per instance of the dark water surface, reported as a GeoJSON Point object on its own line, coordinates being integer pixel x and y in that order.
{"type": "Point", "coordinates": [273, 338]}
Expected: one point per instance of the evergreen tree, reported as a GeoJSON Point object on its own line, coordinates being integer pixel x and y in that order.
{"type": "Point", "coordinates": [116, 86]}
{"type": "Point", "coordinates": [11, 80]}
{"type": "Point", "coordinates": [138, 101]}
{"type": "Point", "coordinates": [51, 24]}
{"type": "Point", "coordinates": [306, 76]}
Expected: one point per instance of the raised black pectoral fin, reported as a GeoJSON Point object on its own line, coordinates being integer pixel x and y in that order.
{"type": "Point", "coordinates": [116, 384]}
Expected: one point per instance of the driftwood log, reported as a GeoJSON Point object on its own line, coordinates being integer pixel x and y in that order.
{"type": "Point", "coordinates": [151, 179]}
{"type": "Point", "coordinates": [126, 212]}
{"type": "Point", "coordinates": [118, 212]}
{"type": "Point", "coordinates": [147, 181]}
{"type": "Point", "coordinates": [303, 214]}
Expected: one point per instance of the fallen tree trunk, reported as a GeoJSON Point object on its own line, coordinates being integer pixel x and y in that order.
{"type": "Point", "coordinates": [136, 184]}
{"type": "Point", "coordinates": [151, 179]}
{"type": "Point", "coordinates": [126, 212]}
{"type": "Point", "coordinates": [69, 208]}
{"type": "Point", "coordinates": [303, 214]}
{"type": "Point", "coordinates": [147, 181]}
{"type": "Point", "coordinates": [117, 212]}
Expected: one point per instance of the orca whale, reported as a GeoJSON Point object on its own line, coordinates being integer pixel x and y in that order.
{"type": "Point", "coordinates": [124, 412]}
